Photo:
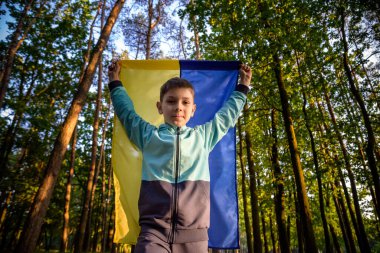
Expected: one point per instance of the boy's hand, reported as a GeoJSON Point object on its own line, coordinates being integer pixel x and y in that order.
{"type": "Point", "coordinates": [113, 71]}
{"type": "Point", "coordinates": [245, 73]}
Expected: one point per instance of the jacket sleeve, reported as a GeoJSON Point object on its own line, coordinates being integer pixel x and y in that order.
{"type": "Point", "coordinates": [137, 129]}
{"type": "Point", "coordinates": [224, 119]}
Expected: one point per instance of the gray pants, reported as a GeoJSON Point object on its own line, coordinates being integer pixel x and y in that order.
{"type": "Point", "coordinates": [150, 243]}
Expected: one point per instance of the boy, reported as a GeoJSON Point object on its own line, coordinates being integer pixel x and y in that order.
{"type": "Point", "coordinates": [174, 202]}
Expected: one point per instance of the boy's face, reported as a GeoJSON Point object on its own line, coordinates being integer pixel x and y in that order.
{"type": "Point", "coordinates": [177, 106]}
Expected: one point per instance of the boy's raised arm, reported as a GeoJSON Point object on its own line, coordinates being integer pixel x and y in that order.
{"type": "Point", "coordinates": [136, 128]}
{"type": "Point", "coordinates": [227, 116]}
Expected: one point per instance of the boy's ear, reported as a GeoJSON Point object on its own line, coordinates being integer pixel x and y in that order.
{"type": "Point", "coordinates": [159, 107]}
{"type": "Point", "coordinates": [193, 111]}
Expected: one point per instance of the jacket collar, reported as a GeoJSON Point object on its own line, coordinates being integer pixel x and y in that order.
{"type": "Point", "coordinates": [172, 128]}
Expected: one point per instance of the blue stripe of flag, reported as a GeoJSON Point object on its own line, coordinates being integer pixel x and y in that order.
{"type": "Point", "coordinates": [214, 81]}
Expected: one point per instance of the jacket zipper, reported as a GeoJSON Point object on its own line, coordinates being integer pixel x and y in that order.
{"type": "Point", "coordinates": [175, 202]}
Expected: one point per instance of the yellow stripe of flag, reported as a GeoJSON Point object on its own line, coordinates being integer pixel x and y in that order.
{"type": "Point", "coordinates": [143, 80]}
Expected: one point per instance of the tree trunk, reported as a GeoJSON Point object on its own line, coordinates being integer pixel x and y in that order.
{"type": "Point", "coordinates": [85, 221]}
{"type": "Point", "coordinates": [279, 198]}
{"type": "Point", "coordinates": [4, 209]}
{"type": "Point", "coordinates": [371, 142]}
{"type": "Point", "coordinates": [97, 170]}
{"type": "Point", "coordinates": [345, 157]}
{"type": "Point", "coordinates": [319, 180]}
{"type": "Point", "coordinates": [335, 239]}
{"type": "Point", "coordinates": [274, 249]}
{"type": "Point", "coordinates": [104, 206]}
{"type": "Point", "coordinates": [289, 224]}
{"type": "Point", "coordinates": [247, 223]}
{"type": "Point", "coordinates": [149, 32]}
{"type": "Point", "coordinates": [343, 221]}
{"type": "Point", "coordinates": [368, 80]}
{"type": "Point", "coordinates": [193, 19]}
{"type": "Point", "coordinates": [88, 232]}
{"type": "Point", "coordinates": [12, 229]}
{"type": "Point", "coordinates": [111, 220]}
{"type": "Point", "coordinates": [356, 217]}
{"type": "Point", "coordinates": [264, 232]}
{"type": "Point", "coordinates": [10, 134]}
{"type": "Point", "coordinates": [375, 201]}
{"type": "Point", "coordinates": [308, 232]}
{"type": "Point", "coordinates": [338, 198]}
{"type": "Point", "coordinates": [310, 243]}
{"type": "Point", "coordinates": [351, 115]}
{"type": "Point", "coordinates": [66, 212]}
{"type": "Point", "coordinates": [257, 243]}
{"type": "Point", "coordinates": [105, 200]}
{"type": "Point", "coordinates": [316, 163]}
{"type": "Point", "coordinates": [94, 235]}
{"type": "Point", "coordinates": [8, 141]}
{"type": "Point", "coordinates": [152, 23]}
{"type": "Point", "coordinates": [18, 37]}
{"type": "Point", "coordinates": [300, 238]}
{"type": "Point", "coordinates": [32, 227]}
{"type": "Point", "coordinates": [339, 202]}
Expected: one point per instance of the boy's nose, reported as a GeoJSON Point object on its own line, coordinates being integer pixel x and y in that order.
{"type": "Point", "coordinates": [179, 107]}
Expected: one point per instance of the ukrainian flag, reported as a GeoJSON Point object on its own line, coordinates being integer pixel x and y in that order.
{"type": "Point", "coordinates": [213, 82]}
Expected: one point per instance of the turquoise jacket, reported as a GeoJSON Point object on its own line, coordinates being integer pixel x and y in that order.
{"type": "Point", "coordinates": [174, 197]}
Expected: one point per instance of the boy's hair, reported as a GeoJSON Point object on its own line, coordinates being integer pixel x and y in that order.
{"type": "Point", "coordinates": [175, 83]}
